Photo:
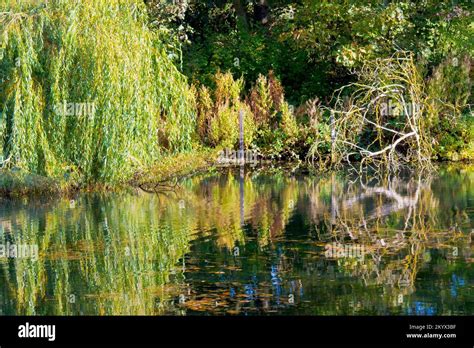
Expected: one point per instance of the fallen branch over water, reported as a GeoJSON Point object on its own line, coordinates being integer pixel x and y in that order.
{"type": "Point", "coordinates": [166, 175]}
{"type": "Point", "coordinates": [381, 122]}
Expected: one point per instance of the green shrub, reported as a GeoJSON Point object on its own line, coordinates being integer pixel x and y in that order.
{"type": "Point", "coordinates": [448, 93]}
{"type": "Point", "coordinates": [277, 129]}
{"type": "Point", "coordinates": [218, 116]}
{"type": "Point", "coordinates": [457, 141]}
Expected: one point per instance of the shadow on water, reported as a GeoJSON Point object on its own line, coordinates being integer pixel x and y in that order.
{"type": "Point", "coordinates": [247, 242]}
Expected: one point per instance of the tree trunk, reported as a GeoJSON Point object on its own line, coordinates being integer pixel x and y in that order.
{"type": "Point", "coordinates": [241, 14]}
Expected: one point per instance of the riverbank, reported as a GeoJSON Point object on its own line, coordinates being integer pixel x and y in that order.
{"type": "Point", "coordinates": [19, 184]}
{"type": "Point", "coordinates": [163, 176]}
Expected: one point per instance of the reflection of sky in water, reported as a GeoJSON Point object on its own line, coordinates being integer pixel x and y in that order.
{"type": "Point", "coordinates": [456, 282]}
{"type": "Point", "coordinates": [420, 308]}
{"type": "Point", "coordinates": [276, 282]}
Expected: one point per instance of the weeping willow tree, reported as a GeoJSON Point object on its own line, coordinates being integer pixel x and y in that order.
{"type": "Point", "coordinates": [88, 89]}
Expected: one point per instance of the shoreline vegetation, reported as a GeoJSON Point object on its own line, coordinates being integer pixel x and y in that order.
{"type": "Point", "coordinates": [106, 95]}
{"type": "Point", "coordinates": [163, 177]}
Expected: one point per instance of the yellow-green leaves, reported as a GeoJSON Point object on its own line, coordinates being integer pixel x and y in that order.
{"type": "Point", "coordinates": [88, 53]}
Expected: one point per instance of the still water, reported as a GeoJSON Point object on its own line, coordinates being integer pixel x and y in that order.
{"type": "Point", "coordinates": [247, 242]}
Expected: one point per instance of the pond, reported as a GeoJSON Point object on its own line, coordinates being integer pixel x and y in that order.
{"type": "Point", "coordinates": [249, 241]}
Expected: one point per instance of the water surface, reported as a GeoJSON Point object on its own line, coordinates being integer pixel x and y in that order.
{"type": "Point", "coordinates": [248, 242]}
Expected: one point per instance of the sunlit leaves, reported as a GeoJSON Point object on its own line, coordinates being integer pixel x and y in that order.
{"type": "Point", "coordinates": [97, 52]}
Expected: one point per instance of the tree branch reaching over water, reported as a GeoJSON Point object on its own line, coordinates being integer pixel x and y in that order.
{"type": "Point", "coordinates": [380, 120]}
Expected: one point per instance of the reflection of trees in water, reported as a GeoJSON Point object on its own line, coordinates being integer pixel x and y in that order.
{"type": "Point", "coordinates": [126, 254]}
{"type": "Point", "coordinates": [404, 217]}
{"type": "Point", "coordinates": [114, 257]}
{"type": "Point", "coordinates": [396, 222]}
{"type": "Point", "coordinates": [393, 220]}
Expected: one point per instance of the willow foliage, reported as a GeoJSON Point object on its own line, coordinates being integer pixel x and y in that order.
{"type": "Point", "coordinates": [87, 88]}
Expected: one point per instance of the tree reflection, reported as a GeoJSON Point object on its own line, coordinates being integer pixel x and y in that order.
{"type": "Point", "coordinates": [248, 242]}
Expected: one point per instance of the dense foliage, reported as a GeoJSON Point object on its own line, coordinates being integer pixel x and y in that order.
{"type": "Point", "coordinates": [101, 90]}
{"type": "Point", "coordinates": [312, 45]}
{"type": "Point", "coordinates": [88, 90]}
